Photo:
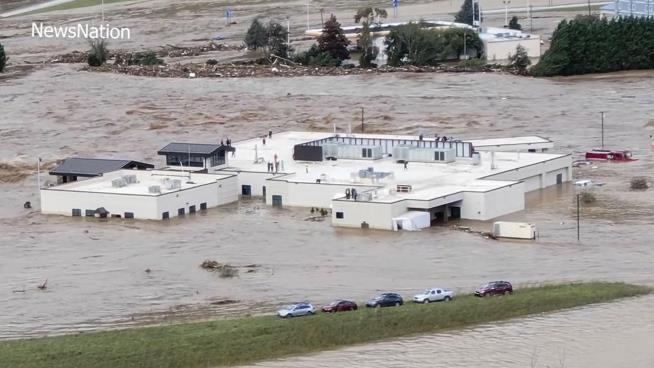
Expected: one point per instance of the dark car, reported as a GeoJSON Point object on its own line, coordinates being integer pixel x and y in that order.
{"type": "Point", "coordinates": [340, 306]}
{"type": "Point", "coordinates": [385, 300]}
{"type": "Point", "coordinates": [495, 288]}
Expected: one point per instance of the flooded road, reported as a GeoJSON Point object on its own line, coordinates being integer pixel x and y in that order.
{"type": "Point", "coordinates": [96, 270]}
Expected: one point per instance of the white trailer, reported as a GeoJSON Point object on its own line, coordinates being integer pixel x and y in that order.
{"type": "Point", "coordinates": [514, 230]}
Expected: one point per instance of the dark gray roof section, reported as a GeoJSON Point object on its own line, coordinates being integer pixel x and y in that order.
{"type": "Point", "coordinates": [90, 167]}
{"type": "Point", "coordinates": [197, 149]}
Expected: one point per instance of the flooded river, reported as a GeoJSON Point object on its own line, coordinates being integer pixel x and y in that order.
{"type": "Point", "coordinates": [96, 271]}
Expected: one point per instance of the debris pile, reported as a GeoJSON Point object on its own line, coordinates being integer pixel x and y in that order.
{"type": "Point", "coordinates": [225, 270]}
{"type": "Point", "coordinates": [120, 56]}
{"type": "Point", "coordinates": [639, 183]}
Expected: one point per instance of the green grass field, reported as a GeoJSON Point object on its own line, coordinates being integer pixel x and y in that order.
{"type": "Point", "coordinates": [250, 339]}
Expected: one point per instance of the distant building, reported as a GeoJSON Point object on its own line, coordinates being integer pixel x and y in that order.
{"type": "Point", "coordinates": [71, 169]}
{"type": "Point", "coordinates": [499, 43]}
{"type": "Point", "coordinates": [626, 8]}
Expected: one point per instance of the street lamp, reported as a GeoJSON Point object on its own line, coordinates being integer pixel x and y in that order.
{"type": "Point", "coordinates": [307, 15]}
{"type": "Point", "coordinates": [506, 12]}
{"type": "Point", "coordinates": [578, 236]}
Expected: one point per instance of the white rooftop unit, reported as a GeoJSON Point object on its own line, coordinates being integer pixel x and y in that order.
{"type": "Point", "coordinates": [432, 155]}
{"type": "Point", "coordinates": [359, 152]}
{"type": "Point", "coordinates": [118, 183]}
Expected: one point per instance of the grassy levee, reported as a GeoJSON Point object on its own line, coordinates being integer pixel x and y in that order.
{"type": "Point", "coordinates": [76, 4]}
{"type": "Point", "coordinates": [250, 339]}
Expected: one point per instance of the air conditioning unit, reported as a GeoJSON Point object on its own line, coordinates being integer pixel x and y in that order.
{"type": "Point", "coordinates": [118, 183]}
{"type": "Point", "coordinates": [129, 179]}
{"type": "Point", "coordinates": [154, 189]}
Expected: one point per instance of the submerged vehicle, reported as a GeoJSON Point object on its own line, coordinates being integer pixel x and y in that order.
{"type": "Point", "coordinates": [609, 155]}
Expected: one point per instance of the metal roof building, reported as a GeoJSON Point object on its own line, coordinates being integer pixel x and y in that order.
{"type": "Point", "coordinates": [72, 168]}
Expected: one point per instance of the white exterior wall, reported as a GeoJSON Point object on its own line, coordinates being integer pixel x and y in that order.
{"type": "Point", "coordinates": [296, 194]}
{"type": "Point", "coordinates": [145, 207]}
{"type": "Point", "coordinates": [59, 202]}
{"type": "Point", "coordinates": [377, 215]}
{"type": "Point", "coordinates": [256, 180]}
{"type": "Point", "coordinates": [502, 50]}
{"type": "Point", "coordinates": [484, 206]}
{"type": "Point", "coordinates": [543, 173]}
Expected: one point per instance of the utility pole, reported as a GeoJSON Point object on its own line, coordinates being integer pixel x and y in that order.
{"type": "Point", "coordinates": [288, 33]}
{"type": "Point", "coordinates": [531, 21]}
{"type": "Point", "coordinates": [362, 126]}
{"type": "Point", "coordinates": [102, 10]}
{"type": "Point", "coordinates": [322, 19]}
{"type": "Point", "coordinates": [578, 236]}
{"type": "Point", "coordinates": [506, 12]}
{"type": "Point", "coordinates": [38, 175]}
{"type": "Point", "coordinates": [307, 15]}
{"type": "Point", "coordinates": [589, 8]}
{"type": "Point", "coordinates": [602, 112]}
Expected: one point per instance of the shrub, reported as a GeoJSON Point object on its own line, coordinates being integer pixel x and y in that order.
{"type": "Point", "coordinates": [588, 197]}
{"type": "Point", "coordinates": [146, 58]}
{"type": "Point", "coordinates": [315, 57]}
{"type": "Point", "coordinates": [3, 58]}
{"type": "Point", "coordinates": [520, 60]}
{"type": "Point", "coordinates": [513, 24]}
{"type": "Point", "coordinates": [212, 62]}
{"type": "Point", "coordinates": [98, 53]}
{"type": "Point", "coordinates": [256, 36]}
{"type": "Point", "coordinates": [333, 41]}
{"type": "Point", "coordinates": [639, 183]}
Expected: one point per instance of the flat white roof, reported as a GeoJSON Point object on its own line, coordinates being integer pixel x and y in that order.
{"type": "Point", "coordinates": [144, 178]}
{"type": "Point", "coordinates": [428, 180]}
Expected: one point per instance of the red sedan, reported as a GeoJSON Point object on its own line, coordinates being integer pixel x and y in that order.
{"type": "Point", "coordinates": [340, 306]}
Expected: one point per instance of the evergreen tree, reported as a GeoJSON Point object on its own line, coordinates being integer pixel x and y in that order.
{"type": "Point", "coordinates": [513, 23]}
{"type": "Point", "coordinates": [278, 40]}
{"type": "Point", "coordinates": [98, 53]}
{"type": "Point", "coordinates": [256, 36]}
{"type": "Point", "coordinates": [465, 14]}
{"type": "Point", "coordinates": [520, 60]}
{"type": "Point", "coordinates": [3, 58]}
{"type": "Point", "coordinates": [333, 40]}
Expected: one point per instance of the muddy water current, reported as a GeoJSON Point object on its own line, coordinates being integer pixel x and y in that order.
{"type": "Point", "coordinates": [96, 270]}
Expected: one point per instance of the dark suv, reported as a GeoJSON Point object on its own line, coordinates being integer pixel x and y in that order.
{"type": "Point", "coordinates": [385, 300]}
{"type": "Point", "coordinates": [495, 288]}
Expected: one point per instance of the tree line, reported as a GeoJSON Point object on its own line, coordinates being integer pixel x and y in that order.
{"type": "Point", "coordinates": [593, 45]}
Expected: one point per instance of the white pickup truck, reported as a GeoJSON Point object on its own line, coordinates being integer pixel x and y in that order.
{"type": "Point", "coordinates": [434, 295]}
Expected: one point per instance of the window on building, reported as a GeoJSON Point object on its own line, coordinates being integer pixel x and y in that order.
{"type": "Point", "coordinates": [442, 156]}
{"type": "Point", "coordinates": [184, 160]}
{"type": "Point", "coordinates": [116, 215]}
{"type": "Point", "coordinates": [369, 152]}
{"type": "Point", "coordinates": [339, 215]}
{"type": "Point", "coordinates": [129, 215]}
{"type": "Point", "coordinates": [77, 212]}
{"type": "Point", "coordinates": [364, 152]}
{"type": "Point", "coordinates": [181, 212]}
{"type": "Point", "coordinates": [89, 213]}
{"type": "Point", "coordinates": [191, 209]}
{"type": "Point", "coordinates": [203, 206]}
{"type": "Point", "coordinates": [165, 215]}
{"type": "Point", "coordinates": [218, 159]}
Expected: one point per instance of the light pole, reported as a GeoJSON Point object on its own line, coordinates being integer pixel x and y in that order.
{"type": "Point", "coordinates": [506, 12]}
{"type": "Point", "coordinates": [102, 10]}
{"type": "Point", "coordinates": [362, 127]}
{"type": "Point", "coordinates": [307, 15]}
{"type": "Point", "coordinates": [578, 236]}
{"type": "Point", "coordinates": [288, 33]}
{"type": "Point", "coordinates": [602, 112]}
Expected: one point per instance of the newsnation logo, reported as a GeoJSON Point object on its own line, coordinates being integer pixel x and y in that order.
{"type": "Point", "coordinates": [81, 31]}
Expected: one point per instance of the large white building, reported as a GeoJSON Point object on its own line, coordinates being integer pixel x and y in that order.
{"type": "Point", "coordinates": [476, 179]}
{"type": "Point", "coordinates": [140, 194]}
{"type": "Point", "coordinates": [367, 180]}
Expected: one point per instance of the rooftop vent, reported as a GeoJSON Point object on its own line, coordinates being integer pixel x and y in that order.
{"type": "Point", "coordinates": [154, 189]}
{"type": "Point", "coordinates": [118, 183]}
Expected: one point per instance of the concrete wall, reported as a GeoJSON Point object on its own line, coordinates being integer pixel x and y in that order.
{"type": "Point", "coordinates": [503, 50]}
{"type": "Point", "coordinates": [256, 180]}
{"type": "Point", "coordinates": [485, 206]}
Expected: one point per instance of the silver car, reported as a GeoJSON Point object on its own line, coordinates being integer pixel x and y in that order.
{"type": "Point", "coordinates": [296, 310]}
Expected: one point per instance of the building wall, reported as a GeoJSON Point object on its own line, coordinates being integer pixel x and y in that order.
{"type": "Point", "coordinates": [503, 50]}
{"type": "Point", "coordinates": [377, 215]}
{"type": "Point", "coordinates": [296, 194]}
{"type": "Point", "coordinates": [62, 202]}
{"type": "Point", "coordinates": [485, 206]}
{"type": "Point", "coordinates": [256, 181]}
{"type": "Point", "coordinates": [540, 175]}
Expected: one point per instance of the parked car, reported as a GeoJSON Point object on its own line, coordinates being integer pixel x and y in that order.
{"type": "Point", "coordinates": [340, 306]}
{"type": "Point", "coordinates": [296, 310]}
{"type": "Point", "coordinates": [434, 295]}
{"type": "Point", "coordinates": [385, 300]}
{"type": "Point", "coordinates": [495, 288]}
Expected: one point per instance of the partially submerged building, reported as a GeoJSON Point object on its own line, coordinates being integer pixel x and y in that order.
{"type": "Point", "coordinates": [73, 168]}
{"type": "Point", "coordinates": [375, 181]}
{"type": "Point", "coordinates": [147, 195]}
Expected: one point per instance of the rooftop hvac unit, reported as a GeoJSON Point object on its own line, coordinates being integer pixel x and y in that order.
{"type": "Point", "coordinates": [154, 189]}
{"type": "Point", "coordinates": [172, 184]}
{"type": "Point", "coordinates": [118, 183]}
{"type": "Point", "coordinates": [129, 179]}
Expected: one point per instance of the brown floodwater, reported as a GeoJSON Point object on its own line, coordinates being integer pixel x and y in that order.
{"type": "Point", "coordinates": [96, 269]}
